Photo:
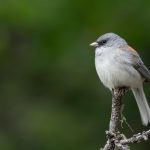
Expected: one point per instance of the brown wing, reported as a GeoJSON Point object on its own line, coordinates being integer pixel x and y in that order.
{"type": "Point", "coordinates": [135, 60]}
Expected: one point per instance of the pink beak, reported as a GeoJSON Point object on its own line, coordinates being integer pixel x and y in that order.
{"type": "Point", "coordinates": [94, 44]}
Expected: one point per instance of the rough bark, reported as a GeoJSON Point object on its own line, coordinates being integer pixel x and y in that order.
{"type": "Point", "coordinates": [114, 138]}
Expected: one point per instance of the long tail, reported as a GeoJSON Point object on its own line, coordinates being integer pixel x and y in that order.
{"type": "Point", "coordinates": [142, 104]}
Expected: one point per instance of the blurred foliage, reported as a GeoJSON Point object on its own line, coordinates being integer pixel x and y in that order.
{"type": "Point", "coordinates": [51, 97]}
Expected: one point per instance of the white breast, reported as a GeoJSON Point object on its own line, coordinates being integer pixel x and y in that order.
{"type": "Point", "coordinates": [115, 74]}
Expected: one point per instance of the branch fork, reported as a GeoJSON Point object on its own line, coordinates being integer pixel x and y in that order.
{"type": "Point", "coordinates": [114, 138]}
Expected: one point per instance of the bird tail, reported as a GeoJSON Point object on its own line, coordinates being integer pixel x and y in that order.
{"type": "Point", "coordinates": [142, 104]}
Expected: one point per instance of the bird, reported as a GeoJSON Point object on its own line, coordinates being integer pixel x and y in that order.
{"type": "Point", "coordinates": [119, 65]}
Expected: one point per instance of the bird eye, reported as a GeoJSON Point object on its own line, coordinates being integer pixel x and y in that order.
{"type": "Point", "coordinates": [103, 42]}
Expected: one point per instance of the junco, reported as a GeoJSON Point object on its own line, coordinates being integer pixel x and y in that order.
{"type": "Point", "coordinates": [119, 65]}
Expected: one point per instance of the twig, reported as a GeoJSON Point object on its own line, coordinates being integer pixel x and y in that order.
{"type": "Point", "coordinates": [137, 138]}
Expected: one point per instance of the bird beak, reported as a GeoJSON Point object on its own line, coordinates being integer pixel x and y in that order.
{"type": "Point", "coordinates": [94, 44]}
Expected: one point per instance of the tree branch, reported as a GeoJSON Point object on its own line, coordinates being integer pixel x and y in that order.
{"type": "Point", "coordinates": [114, 138]}
{"type": "Point", "coordinates": [137, 138]}
{"type": "Point", "coordinates": [117, 95]}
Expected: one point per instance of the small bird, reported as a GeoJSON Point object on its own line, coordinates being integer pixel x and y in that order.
{"type": "Point", "coordinates": [119, 65]}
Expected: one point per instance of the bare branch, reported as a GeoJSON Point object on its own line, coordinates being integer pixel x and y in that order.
{"type": "Point", "coordinates": [114, 138]}
{"type": "Point", "coordinates": [117, 94]}
{"type": "Point", "coordinates": [137, 138]}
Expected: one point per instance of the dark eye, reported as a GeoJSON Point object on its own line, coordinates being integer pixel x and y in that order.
{"type": "Point", "coordinates": [103, 42]}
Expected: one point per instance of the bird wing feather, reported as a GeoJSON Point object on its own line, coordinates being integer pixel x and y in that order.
{"type": "Point", "coordinates": [135, 60]}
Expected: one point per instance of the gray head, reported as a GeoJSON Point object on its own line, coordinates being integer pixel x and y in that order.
{"type": "Point", "coordinates": [108, 40]}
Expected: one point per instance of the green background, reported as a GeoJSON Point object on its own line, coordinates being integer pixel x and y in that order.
{"type": "Point", "coordinates": [50, 95]}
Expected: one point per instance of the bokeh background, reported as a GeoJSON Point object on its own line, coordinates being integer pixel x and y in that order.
{"type": "Point", "coordinates": [50, 95]}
